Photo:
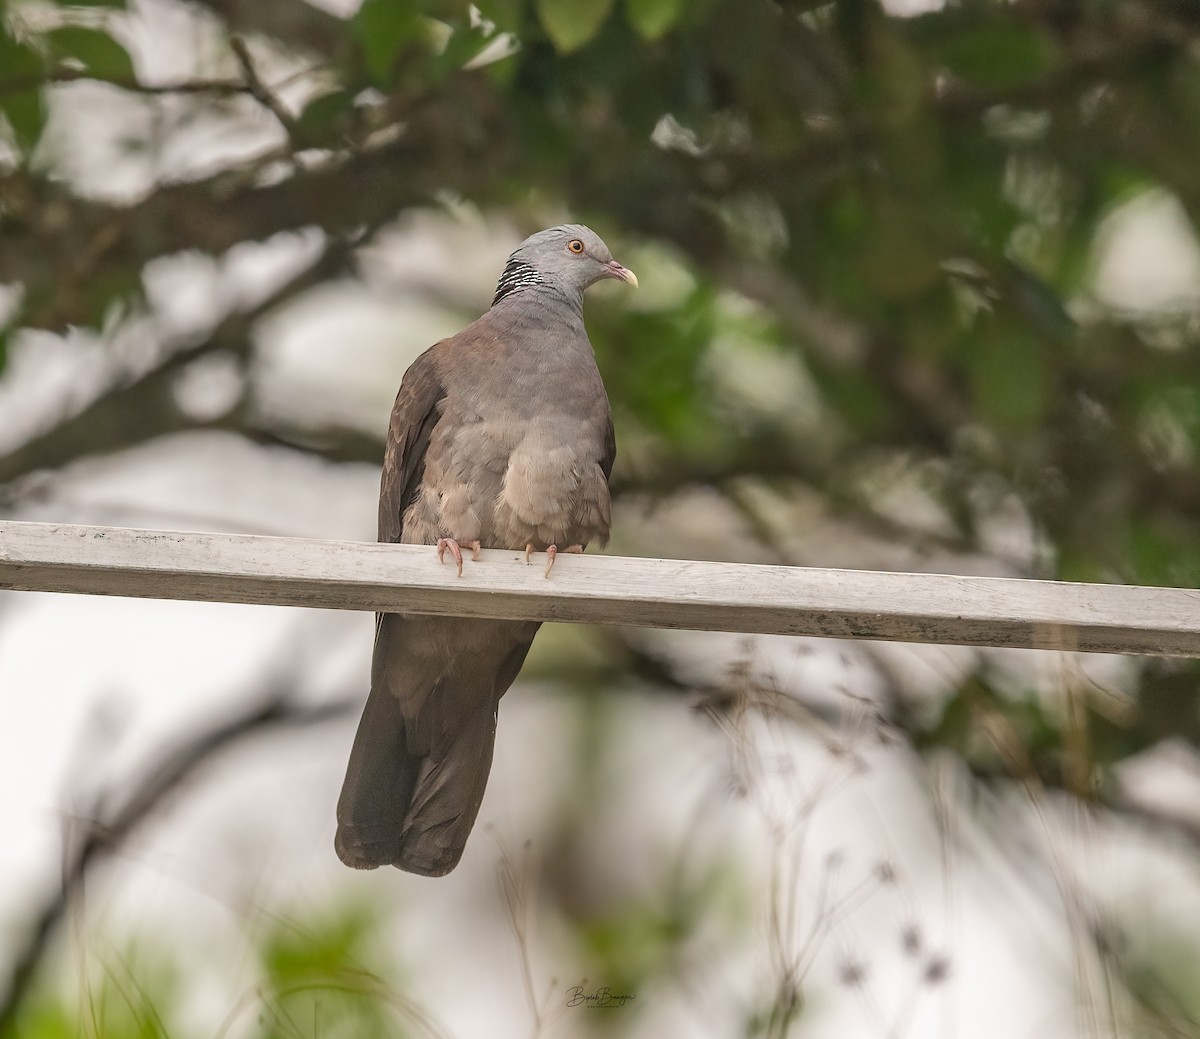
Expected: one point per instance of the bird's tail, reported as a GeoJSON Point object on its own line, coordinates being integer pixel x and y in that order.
{"type": "Point", "coordinates": [378, 787]}
{"type": "Point", "coordinates": [423, 751]}
{"type": "Point", "coordinates": [406, 810]}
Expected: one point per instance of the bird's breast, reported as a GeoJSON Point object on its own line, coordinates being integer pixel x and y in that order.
{"type": "Point", "coordinates": [509, 482]}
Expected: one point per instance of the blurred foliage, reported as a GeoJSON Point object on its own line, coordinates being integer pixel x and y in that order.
{"type": "Point", "coordinates": [132, 996]}
{"type": "Point", "coordinates": [313, 986]}
{"type": "Point", "coordinates": [917, 203]}
{"type": "Point", "coordinates": [311, 982]}
{"type": "Point", "coordinates": [900, 220]}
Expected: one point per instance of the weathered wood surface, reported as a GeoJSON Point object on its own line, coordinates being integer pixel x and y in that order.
{"type": "Point", "coordinates": [664, 593]}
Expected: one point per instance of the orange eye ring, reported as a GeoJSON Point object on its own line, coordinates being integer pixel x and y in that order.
{"type": "Point", "coordinates": [576, 246]}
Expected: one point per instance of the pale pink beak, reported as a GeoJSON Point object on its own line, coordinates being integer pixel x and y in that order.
{"type": "Point", "coordinates": [615, 270]}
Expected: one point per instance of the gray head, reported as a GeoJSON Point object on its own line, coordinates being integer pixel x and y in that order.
{"type": "Point", "coordinates": [569, 258]}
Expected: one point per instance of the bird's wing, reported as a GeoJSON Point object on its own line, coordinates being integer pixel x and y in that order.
{"type": "Point", "coordinates": [610, 448]}
{"type": "Point", "coordinates": [415, 413]}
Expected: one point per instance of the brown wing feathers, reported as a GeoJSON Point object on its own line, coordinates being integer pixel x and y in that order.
{"type": "Point", "coordinates": [416, 412]}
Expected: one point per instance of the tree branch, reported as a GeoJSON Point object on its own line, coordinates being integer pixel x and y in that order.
{"type": "Point", "coordinates": [450, 142]}
{"type": "Point", "coordinates": [217, 87]}
{"type": "Point", "coordinates": [261, 92]}
{"type": "Point", "coordinates": [147, 407]}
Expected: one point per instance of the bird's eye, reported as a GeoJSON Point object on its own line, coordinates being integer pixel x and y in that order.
{"type": "Point", "coordinates": [575, 245]}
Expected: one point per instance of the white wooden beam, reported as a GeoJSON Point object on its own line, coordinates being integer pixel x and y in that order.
{"type": "Point", "coordinates": [664, 593]}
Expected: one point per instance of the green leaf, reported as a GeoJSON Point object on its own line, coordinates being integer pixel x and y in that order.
{"type": "Point", "coordinates": [323, 114]}
{"type": "Point", "coordinates": [506, 14]}
{"type": "Point", "coordinates": [464, 44]}
{"type": "Point", "coordinates": [571, 23]}
{"type": "Point", "coordinates": [652, 18]}
{"type": "Point", "coordinates": [25, 111]}
{"type": "Point", "coordinates": [94, 49]}
{"type": "Point", "coordinates": [96, 3]}
{"type": "Point", "coordinates": [1162, 552]}
{"type": "Point", "coordinates": [1009, 376]}
{"type": "Point", "coordinates": [1040, 304]}
{"type": "Point", "coordinates": [109, 293]}
{"type": "Point", "coordinates": [999, 57]}
{"type": "Point", "coordinates": [859, 401]}
{"type": "Point", "coordinates": [382, 27]}
{"type": "Point", "coordinates": [19, 62]}
{"type": "Point", "coordinates": [23, 106]}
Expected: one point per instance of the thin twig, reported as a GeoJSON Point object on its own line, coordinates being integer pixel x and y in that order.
{"type": "Point", "coordinates": [518, 884]}
{"type": "Point", "coordinates": [260, 91]}
{"type": "Point", "coordinates": [63, 74]}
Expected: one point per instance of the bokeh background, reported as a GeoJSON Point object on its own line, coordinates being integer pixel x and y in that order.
{"type": "Point", "coordinates": [920, 291]}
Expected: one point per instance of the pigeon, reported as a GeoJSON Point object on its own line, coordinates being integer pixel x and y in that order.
{"type": "Point", "coordinates": [501, 437]}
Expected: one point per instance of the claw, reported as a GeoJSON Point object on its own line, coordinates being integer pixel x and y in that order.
{"type": "Point", "coordinates": [528, 552]}
{"type": "Point", "coordinates": [475, 548]}
{"type": "Point", "coordinates": [449, 543]}
{"type": "Point", "coordinates": [551, 555]}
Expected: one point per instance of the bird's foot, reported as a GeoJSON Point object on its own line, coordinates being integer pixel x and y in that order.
{"type": "Point", "coordinates": [445, 545]}
{"type": "Point", "coordinates": [449, 543]}
{"type": "Point", "coordinates": [552, 554]}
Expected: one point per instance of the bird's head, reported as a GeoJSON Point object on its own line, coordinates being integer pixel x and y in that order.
{"type": "Point", "coordinates": [569, 257]}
